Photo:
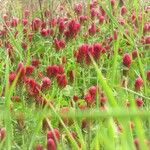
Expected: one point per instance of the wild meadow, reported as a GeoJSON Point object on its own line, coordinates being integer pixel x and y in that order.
{"type": "Point", "coordinates": [75, 75]}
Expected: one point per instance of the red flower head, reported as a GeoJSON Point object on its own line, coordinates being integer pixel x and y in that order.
{"type": "Point", "coordinates": [146, 27]}
{"type": "Point", "coordinates": [127, 60]}
{"type": "Point", "coordinates": [138, 83]}
{"type": "Point", "coordinates": [14, 22]}
{"type": "Point", "coordinates": [92, 29]}
{"type": "Point", "coordinates": [44, 33]}
{"type": "Point", "coordinates": [97, 49]}
{"type": "Point", "coordinates": [88, 98]}
{"type": "Point", "coordinates": [73, 29]}
{"type": "Point", "coordinates": [90, 51]}
{"type": "Point", "coordinates": [35, 62]}
{"type": "Point", "coordinates": [53, 22]}
{"type": "Point", "coordinates": [53, 134]}
{"type": "Point", "coordinates": [46, 83]}
{"type": "Point", "coordinates": [93, 91]}
{"type": "Point", "coordinates": [52, 71]}
{"type": "Point", "coordinates": [24, 45]}
{"type": "Point", "coordinates": [29, 69]}
{"type": "Point", "coordinates": [139, 102]}
{"type": "Point", "coordinates": [134, 54]}
{"type": "Point", "coordinates": [24, 21]}
{"type": "Point", "coordinates": [75, 98]}
{"type": "Point", "coordinates": [94, 13]}
{"type": "Point", "coordinates": [101, 19]}
{"type": "Point", "coordinates": [82, 53]}
{"type": "Point", "coordinates": [148, 75]}
{"type": "Point", "coordinates": [36, 24]}
{"type": "Point", "coordinates": [51, 144]}
{"type": "Point", "coordinates": [123, 10]}
{"type": "Point", "coordinates": [61, 80]}
{"type": "Point", "coordinates": [147, 40]}
{"type": "Point", "coordinates": [83, 19]}
{"type": "Point", "coordinates": [78, 8]}
{"type": "Point", "coordinates": [62, 26]}
{"type": "Point", "coordinates": [59, 44]}
{"type": "Point", "coordinates": [12, 77]}
{"type": "Point", "coordinates": [32, 86]}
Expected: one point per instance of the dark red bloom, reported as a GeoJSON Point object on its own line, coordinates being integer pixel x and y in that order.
{"type": "Point", "coordinates": [147, 40]}
{"type": "Point", "coordinates": [14, 22]}
{"type": "Point", "coordinates": [123, 10]}
{"type": "Point", "coordinates": [93, 91]}
{"type": "Point", "coordinates": [101, 19]}
{"type": "Point", "coordinates": [146, 27]}
{"type": "Point", "coordinates": [93, 12]}
{"type": "Point", "coordinates": [83, 19]}
{"type": "Point", "coordinates": [139, 102]}
{"type": "Point", "coordinates": [97, 49]}
{"type": "Point", "coordinates": [138, 83]}
{"type": "Point", "coordinates": [52, 71]}
{"type": "Point", "coordinates": [81, 53]}
{"type": "Point", "coordinates": [75, 98]}
{"type": "Point", "coordinates": [62, 26]}
{"type": "Point", "coordinates": [32, 86]}
{"type": "Point", "coordinates": [134, 54]}
{"type": "Point", "coordinates": [12, 77]}
{"type": "Point", "coordinates": [59, 44]}
{"type": "Point", "coordinates": [78, 8]}
{"type": "Point", "coordinates": [46, 83]}
{"type": "Point", "coordinates": [44, 32]}
{"type": "Point", "coordinates": [36, 24]}
{"type": "Point", "coordinates": [92, 29]}
{"type": "Point", "coordinates": [53, 134]}
{"type": "Point", "coordinates": [24, 21]}
{"type": "Point", "coordinates": [73, 29]}
{"type": "Point", "coordinates": [35, 62]}
{"type": "Point", "coordinates": [29, 69]}
{"type": "Point", "coordinates": [53, 22]}
{"type": "Point", "coordinates": [51, 144]}
{"type": "Point", "coordinates": [61, 80]}
{"type": "Point", "coordinates": [24, 45]}
{"type": "Point", "coordinates": [88, 98]}
{"type": "Point", "coordinates": [89, 52]}
{"type": "Point", "coordinates": [127, 60]}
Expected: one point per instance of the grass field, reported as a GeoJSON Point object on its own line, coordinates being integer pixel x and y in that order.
{"type": "Point", "coordinates": [75, 75]}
